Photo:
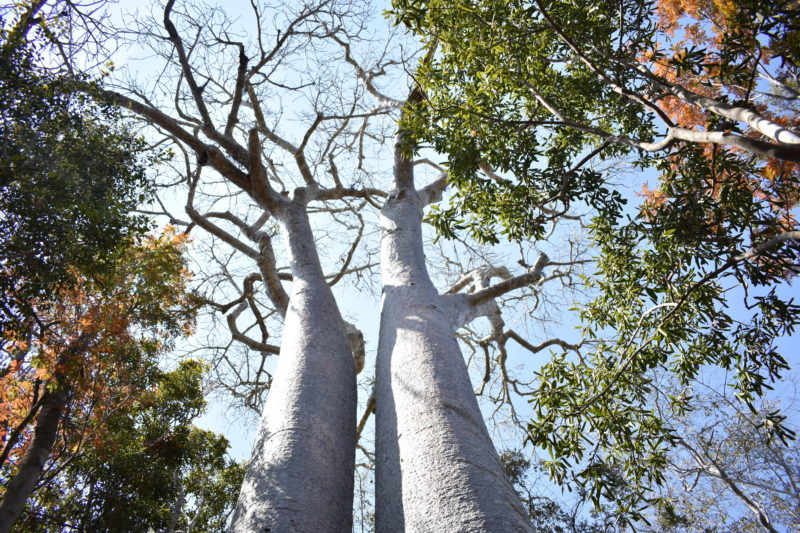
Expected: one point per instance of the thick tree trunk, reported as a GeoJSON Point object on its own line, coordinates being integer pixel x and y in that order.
{"type": "Point", "coordinates": [32, 465]}
{"type": "Point", "coordinates": [300, 477]}
{"type": "Point", "coordinates": [436, 467]}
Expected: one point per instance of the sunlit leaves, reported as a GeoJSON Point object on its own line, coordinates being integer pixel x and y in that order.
{"type": "Point", "coordinates": [665, 282]}
{"type": "Point", "coordinates": [128, 317]}
{"type": "Point", "coordinates": [149, 461]}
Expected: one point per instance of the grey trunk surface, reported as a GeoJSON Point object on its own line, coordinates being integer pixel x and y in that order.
{"type": "Point", "coordinates": [436, 467]}
{"type": "Point", "coordinates": [300, 477]}
{"type": "Point", "coordinates": [32, 465]}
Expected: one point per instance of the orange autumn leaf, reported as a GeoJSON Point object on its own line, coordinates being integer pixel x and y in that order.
{"type": "Point", "coordinates": [125, 318]}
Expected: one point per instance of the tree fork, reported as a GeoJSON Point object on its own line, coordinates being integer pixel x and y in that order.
{"type": "Point", "coordinates": [436, 466]}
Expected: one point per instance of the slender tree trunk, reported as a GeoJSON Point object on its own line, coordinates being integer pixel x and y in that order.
{"type": "Point", "coordinates": [436, 467]}
{"type": "Point", "coordinates": [32, 465]}
{"type": "Point", "coordinates": [53, 408]}
{"type": "Point", "coordinates": [300, 477]}
{"type": "Point", "coordinates": [180, 502]}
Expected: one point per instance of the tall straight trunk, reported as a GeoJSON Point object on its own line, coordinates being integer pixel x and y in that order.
{"type": "Point", "coordinates": [53, 409]}
{"type": "Point", "coordinates": [300, 477]}
{"type": "Point", "coordinates": [436, 467]}
{"type": "Point", "coordinates": [32, 465]}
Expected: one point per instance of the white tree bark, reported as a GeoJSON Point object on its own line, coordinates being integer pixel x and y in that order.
{"type": "Point", "coordinates": [301, 475]}
{"type": "Point", "coordinates": [436, 467]}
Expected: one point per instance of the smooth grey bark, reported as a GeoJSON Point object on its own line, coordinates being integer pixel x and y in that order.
{"type": "Point", "coordinates": [436, 466]}
{"type": "Point", "coordinates": [300, 477]}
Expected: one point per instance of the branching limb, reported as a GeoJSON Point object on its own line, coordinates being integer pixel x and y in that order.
{"type": "Point", "coordinates": [351, 252]}
{"type": "Point", "coordinates": [564, 345]}
{"type": "Point", "coordinates": [226, 141]}
{"type": "Point", "coordinates": [261, 188]}
{"type": "Point", "coordinates": [212, 228]}
{"type": "Point", "coordinates": [533, 275]}
{"type": "Point", "coordinates": [368, 410]}
{"type": "Point", "coordinates": [241, 71]}
{"type": "Point", "coordinates": [708, 465]}
{"type": "Point", "coordinates": [367, 78]}
{"type": "Point", "coordinates": [211, 155]}
{"type": "Point", "coordinates": [268, 267]}
{"type": "Point", "coordinates": [237, 334]}
{"type": "Point", "coordinates": [432, 193]}
{"type": "Point", "coordinates": [755, 120]}
{"type": "Point", "coordinates": [366, 193]}
{"type": "Point", "coordinates": [789, 152]}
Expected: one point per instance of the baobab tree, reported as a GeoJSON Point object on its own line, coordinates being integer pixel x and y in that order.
{"type": "Point", "coordinates": [291, 128]}
{"type": "Point", "coordinates": [282, 127]}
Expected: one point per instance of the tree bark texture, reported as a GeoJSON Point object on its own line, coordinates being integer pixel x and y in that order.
{"type": "Point", "coordinates": [436, 467]}
{"type": "Point", "coordinates": [300, 477]}
{"type": "Point", "coordinates": [32, 465]}
{"type": "Point", "coordinates": [53, 409]}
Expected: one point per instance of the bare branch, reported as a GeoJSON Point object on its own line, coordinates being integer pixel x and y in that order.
{"type": "Point", "coordinates": [532, 276]}
{"type": "Point", "coordinates": [368, 410]}
{"type": "Point", "coordinates": [366, 78]}
{"type": "Point", "coordinates": [432, 192]}
{"type": "Point", "coordinates": [237, 334]}
{"type": "Point", "coordinates": [210, 153]}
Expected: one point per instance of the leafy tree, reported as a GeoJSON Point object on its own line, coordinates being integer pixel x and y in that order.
{"type": "Point", "coordinates": [149, 469]}
{"type": "Point", "coordinates": [536, 91]}
{"type": "Point", "coordinates": [70, 172]}
{"type": "Point", "coordinates": [282, 122]}
{"type": "Point", "coordinates": [95, 352]}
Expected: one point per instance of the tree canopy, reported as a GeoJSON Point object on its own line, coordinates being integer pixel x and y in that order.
{"type": "Point", "coordinates": [71, 173]}
{"type": "Point", "coordinates": [95, 352]}
{"type": "Point", "coordinates": [524, 97]}
{"type": "Point", "coordinates": [148, 469]}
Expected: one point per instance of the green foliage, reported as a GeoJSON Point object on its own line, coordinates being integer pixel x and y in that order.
{"type": "Point", "coordinates": [120, 323]}
{"type": "Point", "coordinates": [481, 109]}
{"type": "Point", "coordinates": [533, 88]}
{"type": "Point", "coordinates": [149, 465]}
{"type": "Point", "coordinates": [546, 513]}
{"type": "Point", "coordinates": [70, 174]}
{"type": "Point", "coordinates": [662, 283]}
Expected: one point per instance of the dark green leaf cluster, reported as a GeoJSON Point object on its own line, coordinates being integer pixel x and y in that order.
{"type": "Point", "coordinates": [664, 282]}
{"type": "Point", "coordinates": [149, 461]}
{"type": "Point", "coordinates": [495, 56]}
{"type": "Point", "coordinates": [70, 175]}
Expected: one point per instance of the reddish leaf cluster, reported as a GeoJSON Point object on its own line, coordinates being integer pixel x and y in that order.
{"type": "Point", "coordinates": [121, 323]}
